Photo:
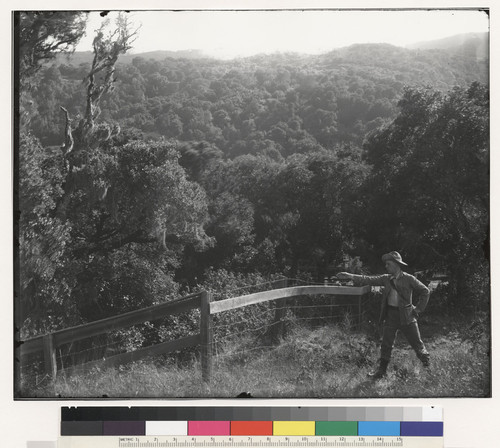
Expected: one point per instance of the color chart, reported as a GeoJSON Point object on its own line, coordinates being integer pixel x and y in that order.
{"type": "Point", "coordinates": [271, 427]}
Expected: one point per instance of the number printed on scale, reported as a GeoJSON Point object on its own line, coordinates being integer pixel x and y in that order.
{"type": "Point", "coordinates": [159, 441]}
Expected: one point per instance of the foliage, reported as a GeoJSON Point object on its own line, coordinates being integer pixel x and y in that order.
{"type": "Point", "coordinates": [40, 36]}
{"type": "Point", "coordinates": [270, 105]}
{"type": "Point", "coordinates": [104, 221]}
{"type": "Point", "coordinates": [254, 319]}
{"type": "Point", "coordinates": [428, 193]}
{"type": "Point", "coordinates": [44, 34]}
{"type": "Point", "coordinates": [120, 247]}
{"type": "Point", "coordinates": [179, 175]}
{"type": "Point", "coordinates": [43, 239]}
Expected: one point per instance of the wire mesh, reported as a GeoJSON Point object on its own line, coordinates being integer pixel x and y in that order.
{"type": "Point", "coordinates": [241, 332]}
{"type": "Point", "coordinates": [235, 333]}
{"type": "Point", "coordinates": [32, 369]}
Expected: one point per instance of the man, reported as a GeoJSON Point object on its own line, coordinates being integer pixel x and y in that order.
{"type": "Point", "coordinates": [398, 312]}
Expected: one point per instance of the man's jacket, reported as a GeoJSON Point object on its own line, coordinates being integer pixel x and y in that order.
{"type": "Point", "coordinates": [413, 294]}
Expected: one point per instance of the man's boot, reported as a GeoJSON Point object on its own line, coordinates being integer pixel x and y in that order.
{"type": "Point", "coordinates": [381, 370]}
{"type": "Point", "coordinates": [426, 361]}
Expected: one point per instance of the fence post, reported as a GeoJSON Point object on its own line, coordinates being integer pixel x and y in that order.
{"type": "Point", "coordinates": [360, 319]}
{"type": "Point", "coordinates": [206, 336]}
{"type": "Point", "coordinates": [277, 325]}
{"type": "Point", "coordinates": [49, 356]}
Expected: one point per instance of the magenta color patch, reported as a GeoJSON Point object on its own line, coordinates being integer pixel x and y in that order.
{"type": "Point", "coordinates": [202, 428]}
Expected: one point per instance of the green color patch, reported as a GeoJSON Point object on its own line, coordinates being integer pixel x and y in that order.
{"type": "Point", "coordinates": [336, 428]}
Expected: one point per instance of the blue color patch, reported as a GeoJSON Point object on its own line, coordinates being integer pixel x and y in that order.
{"type": "Point", "coordinates": [378, 428]}
{"type": "Point", "coordinates": [422, 429]}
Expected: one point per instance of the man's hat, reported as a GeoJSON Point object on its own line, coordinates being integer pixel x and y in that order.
{"type": "Point", "coordinates": [394, 256]}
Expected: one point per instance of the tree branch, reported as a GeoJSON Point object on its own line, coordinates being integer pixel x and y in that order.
{"type": "Point", "coordinates": [107, 49]}
{"type": "Point", "coordinates": [135, 237]}
{"type": "Point", "coordinates": [67, 146]}
{"type": "Point", "coordinates": [434, 250]}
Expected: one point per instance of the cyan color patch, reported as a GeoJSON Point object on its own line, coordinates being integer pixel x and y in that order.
{"type": "Point", "coordinates": [378, 428]}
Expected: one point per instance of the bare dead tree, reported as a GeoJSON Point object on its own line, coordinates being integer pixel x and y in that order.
{"type": "Point", "coordinates": [101, 79]}
{"type": "Point", "coordinates": [69, 142]}
{"type": "Point", "coordinates": [79, 141]}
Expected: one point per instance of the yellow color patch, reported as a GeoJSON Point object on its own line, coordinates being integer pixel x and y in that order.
{"type": "Point", "coordinates": [294, 428]}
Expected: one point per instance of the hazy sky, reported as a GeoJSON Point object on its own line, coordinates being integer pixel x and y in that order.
{"type": "Point", "coordinates": [241, 33]}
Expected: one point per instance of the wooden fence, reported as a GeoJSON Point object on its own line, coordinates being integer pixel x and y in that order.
{"type": "Point", "coordinates": [302, 292]}
{"type": "Point", "coordinates": [48, 344]}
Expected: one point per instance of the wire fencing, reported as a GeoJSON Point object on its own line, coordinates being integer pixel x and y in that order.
{"type": "Point", "coordinates": [241, 333]}
{"type": "Point", "coordinates": [164, 329]}
{"type": "Point", "coordinates": [234, 333]}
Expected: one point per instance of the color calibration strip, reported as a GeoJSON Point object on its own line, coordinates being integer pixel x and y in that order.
{"type": "Point", "coordinates": [254, 428]}
{"type": "Point", "coordinates": [399, 422]}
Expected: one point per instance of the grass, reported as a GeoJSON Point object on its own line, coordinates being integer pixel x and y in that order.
{"type": "Point", "coordinates": [327, 362]}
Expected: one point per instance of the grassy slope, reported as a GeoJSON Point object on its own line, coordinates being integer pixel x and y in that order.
{"type": "Point", "coordinates": [331, 361]}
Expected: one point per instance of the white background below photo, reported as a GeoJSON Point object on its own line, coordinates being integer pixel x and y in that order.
{"type": "Point", "coordinates": [468, 422]}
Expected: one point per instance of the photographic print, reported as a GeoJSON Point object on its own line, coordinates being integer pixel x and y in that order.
{"type": "Point", "coordinates": [252, 203]}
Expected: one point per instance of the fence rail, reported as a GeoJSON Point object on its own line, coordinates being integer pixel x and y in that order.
{"type": "Point", "coordinates": [48, 344]}
{"type": "Point", "coordinates": [114, 323]}
{"type": "Point", "coordinates": [295, 291]}
{"type": "Point", "coordinates": [158, 349]}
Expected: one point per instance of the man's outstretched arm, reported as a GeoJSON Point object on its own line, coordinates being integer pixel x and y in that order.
{"type": "Point", "coordinates": [372, 280]}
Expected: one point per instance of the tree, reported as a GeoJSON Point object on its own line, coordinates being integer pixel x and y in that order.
{"type": "Point", "coordinates": [104, 220]}
{"type": "Point", "coordinates": [44, 34]}
{"type": "Point", "coordinates": [136, 235]}
{"type": "Point", "coordinates": [40, 36]}
{"type": "Point", "coordinates": [50, 93]}
{"type": "Point", "coordinates": [231, 225]}
{"type": "Point", "coordinates": [196, 158]}
{"type": "Point", "coordinates": [429, 188]}
{"type": "Point", "coordinates": [82, 143]}
{"type": "Point", "coordinates": [243, 197]}
{"type": "Point", "coordinates": [42, 240]}
{"type": "Point", "coordinates": [320, 192]}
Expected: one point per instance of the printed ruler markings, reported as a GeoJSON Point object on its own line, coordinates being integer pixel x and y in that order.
{"type": "Point", "coordinates": [251, 443]}
{"type": "Point", "coordinates": [336, 443]}
{"type": "Point", "coordinates": [271, 442]}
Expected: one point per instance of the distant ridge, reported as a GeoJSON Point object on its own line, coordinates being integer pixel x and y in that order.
{"type": "Point", "coordinates": [160, 55]}
{"type": "Point", "coordinates": [469, 43]}
{"type": "Point", "coordinates": [85, 57]}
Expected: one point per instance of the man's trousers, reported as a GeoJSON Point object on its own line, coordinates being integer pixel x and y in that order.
{"type": "Point", "coordinates": [391, 326]}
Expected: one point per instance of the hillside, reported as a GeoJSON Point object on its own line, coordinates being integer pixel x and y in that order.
{"type": "Point", "coordinates": [177, 182]}
{"type": "Point", "coordinates": [85, 57]}
{"type": "Point", "coordinates": [470, 44]}
{"type": "Point", "coordinates": [281, 103]}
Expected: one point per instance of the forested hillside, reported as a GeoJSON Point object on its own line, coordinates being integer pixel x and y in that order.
{"type": "Point", "coordinates": [159, 176]}
{"type": "Point", "coordinates": [468, 44]}
{"type": "Point", "coordinates": [285, 103]}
